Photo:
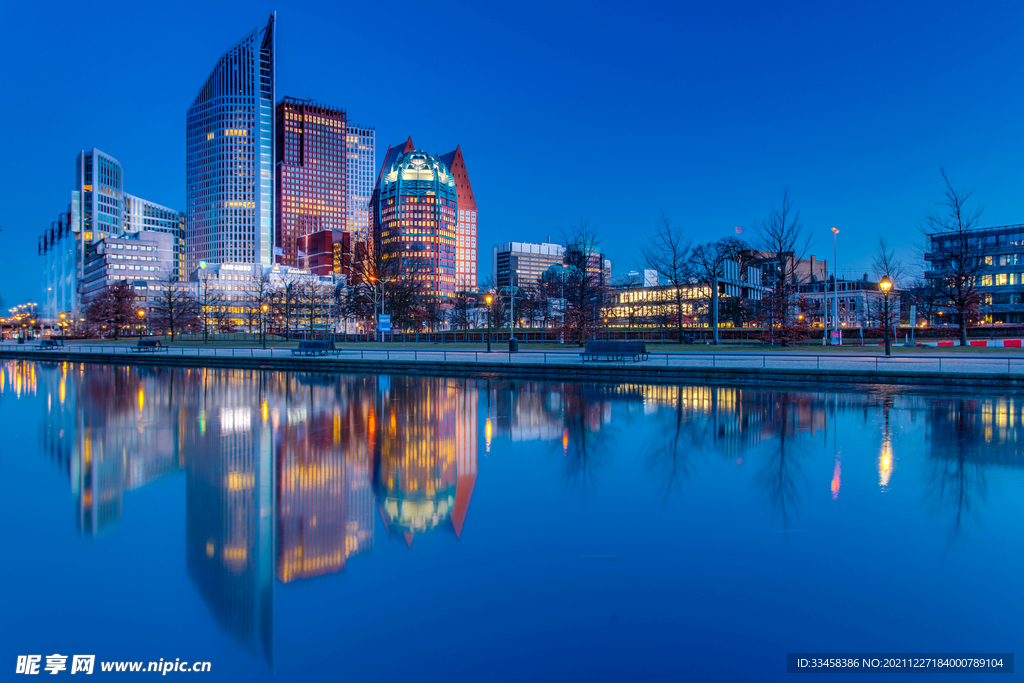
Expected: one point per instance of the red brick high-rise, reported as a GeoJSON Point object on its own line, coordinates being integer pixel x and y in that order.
{"type": "Point", "coordinates": [311, 177]}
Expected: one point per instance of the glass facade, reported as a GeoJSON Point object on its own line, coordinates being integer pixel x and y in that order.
{"type": "Point", "coordinates": [414, 212]}
{"type": "Point", "coordinates": [359, 155]}
{"type": "Point", "coordinates": [230, 157]}
{"type": "Point", "coordinates": [99, 209]}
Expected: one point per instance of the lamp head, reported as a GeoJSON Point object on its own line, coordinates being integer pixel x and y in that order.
{"type": "Point", "coordinates": [885, 283]}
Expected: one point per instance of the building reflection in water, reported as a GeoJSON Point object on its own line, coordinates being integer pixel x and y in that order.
{"type": "Point", "coordinates": [425, 453]}
{"type": "Point", "coordinates": [285, 473]}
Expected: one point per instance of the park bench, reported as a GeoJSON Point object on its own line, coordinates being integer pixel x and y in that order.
{"type": "Point", "coordinates": [614, 350]}
{"type": "Point", "coordinates": [148, 346]}
{"type": "Point", "coordinates": [315, 348]}
{"type": "Point", "coordinates": [49, 345]}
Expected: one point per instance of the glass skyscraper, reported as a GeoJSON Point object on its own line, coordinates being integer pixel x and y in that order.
{"type": "Point", "coordinates": [229, 169]}
{"type": "Point", "coordinates": [359, 145]}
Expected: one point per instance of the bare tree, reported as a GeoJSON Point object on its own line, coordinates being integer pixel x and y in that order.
{"type": "Point", "coordinates": [707, 264]}
{"type": "Point", "coordinates": [957, 254]}
{"type": "Point", "coordinates": [211, 307]}
{"type": "Point", "coordinates": [667, 251]}
{"type": "Point", "coordinates": [113, 309]}
{"type": "Point", "coordinates": [584, 281]}
{"type": "Point", "coordinates": [459, 315]}
{"type": "Point", "coordinates": [887, 264]}
{"type": "Point", "coordinates": [175, 308]}
{"type": "Point", "coordinates": [377, 282]}
{"type": "Point", "coordinates": [782, 244]}
{"type": "Point", "coordinates": [926, 295]}
{"type": "Point", "coordinates": [260, 293]}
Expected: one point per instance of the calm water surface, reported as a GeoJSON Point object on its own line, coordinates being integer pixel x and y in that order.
{"type": "Point", "coordinates": [361, 527]}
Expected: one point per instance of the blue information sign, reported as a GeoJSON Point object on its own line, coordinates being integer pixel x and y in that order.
{"type": "Point", "coordinates": [384, 323]}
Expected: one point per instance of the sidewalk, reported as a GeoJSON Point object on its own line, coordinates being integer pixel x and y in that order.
{"type": "Point", "coordinates": [833, 366]}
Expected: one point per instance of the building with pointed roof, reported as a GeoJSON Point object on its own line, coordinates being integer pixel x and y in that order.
{"type": "Point", "coordinates": [413, 214]}
{"type": "Point", "coordinates": [466, 235]}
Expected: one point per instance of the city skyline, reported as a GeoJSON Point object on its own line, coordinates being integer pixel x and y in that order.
{"type": "Point", "coordinates": [871, 117]}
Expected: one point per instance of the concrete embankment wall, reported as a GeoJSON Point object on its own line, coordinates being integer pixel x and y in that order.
{"type": "Point", "coordinates": [591, 372]}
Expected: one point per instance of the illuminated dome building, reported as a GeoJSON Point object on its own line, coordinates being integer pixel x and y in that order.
{"type": "Point", "coordinates": [413, 214]}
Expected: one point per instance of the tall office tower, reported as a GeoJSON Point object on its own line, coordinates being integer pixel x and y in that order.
{"type": "Point", "coordinates": [465, 248]}
{"type": "Point", "coordinates": [413, 210]}
{"type": "Point", "coordinates": [229, 165]}
{"type": "Point", "coordinates": [359, 156]}
{"type": "Point", "coordinates": [99, 209]}
{"type": "Point", "coordinates": [311, 178]}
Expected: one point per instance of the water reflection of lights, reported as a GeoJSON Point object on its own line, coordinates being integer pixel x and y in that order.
{"type": "Point", "coordinates": [837, 472]}
{"type": "Point", "coordinates": [488, 432]}
{"type": "Point", "coordinates": [565, 441]}
{"type": "Point", "coordinates": [885, 465]}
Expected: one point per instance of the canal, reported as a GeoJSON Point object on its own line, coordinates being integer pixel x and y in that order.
{"type": "Point", "coordinates": [286, 525]}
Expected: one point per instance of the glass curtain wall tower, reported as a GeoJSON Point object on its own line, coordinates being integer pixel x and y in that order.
{"type": "Point", "coordinates": [359, 157]}
{"type": "Point", "coordinates": [229, 170]}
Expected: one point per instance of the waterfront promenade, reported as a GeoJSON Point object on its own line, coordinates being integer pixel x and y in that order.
{"type": "Point", "coordinates": [1004, 369]}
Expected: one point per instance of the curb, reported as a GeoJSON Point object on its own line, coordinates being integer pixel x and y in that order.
{"type": "Point", "coordinates": [552, 371]}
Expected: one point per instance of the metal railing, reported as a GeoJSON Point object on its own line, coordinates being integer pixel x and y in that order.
{"type": "Point", "coordinates": [740, 360]}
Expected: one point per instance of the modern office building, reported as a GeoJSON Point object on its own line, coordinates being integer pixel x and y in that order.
{"type": "Point", "coordinates": [311, 178]}
{"type": "Point", "coordinates": [1001, 280]}
{"type": "Point", "coordinates": [359, 157]}
{"type": "Point", "coordinates": [520, 264]}
{"type": "Point", "coordinates": [466, 241]}
{"type": "Point", "coordinates": [142, 260]}
{"type": "Point", "coordinates": [229, 164]}
{"type": "Point", "coordinates": [327, 252]}
{"type": "Point", "coordinates": [141, 215]}
{"type": "Point", "coordinates": [414, 209]}
{"type": "Point", "coordinates": [99, 209]}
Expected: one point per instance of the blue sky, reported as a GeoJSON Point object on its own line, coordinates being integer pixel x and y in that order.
{"type": "Point", "coordinates": [609, 111]}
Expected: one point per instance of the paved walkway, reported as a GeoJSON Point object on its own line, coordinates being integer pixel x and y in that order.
{"type": "Point", "coordinates": [1001, 364]}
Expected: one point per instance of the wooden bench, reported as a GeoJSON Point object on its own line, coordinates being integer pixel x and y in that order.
{"type": "Point", "coordinates": [48, 345]}
{"type": "Point", "coordinates": [148, 346]}
{"type": "Point", "coordinates": [615, 350]}
{"type": "Point", "coordinates": [315, 348]}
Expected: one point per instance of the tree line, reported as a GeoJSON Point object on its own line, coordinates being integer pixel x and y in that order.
{"type": "Point", "coordinates": [573, 295]}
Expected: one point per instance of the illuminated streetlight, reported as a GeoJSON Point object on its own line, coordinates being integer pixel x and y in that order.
{"type": "Point", "coordinates": [886, 285]}
{"type": "Point", "coordinates": [264, 325]}
{"type": "Point", "coordinates": [488, 300]}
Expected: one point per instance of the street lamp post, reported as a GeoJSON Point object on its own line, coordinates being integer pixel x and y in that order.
{"type": "Point", "coordinates": [263, 325]}
{"type": "Point", "coordinates": [62, 323]}
{"type": "Point", "coordinates": [488, 299]}
{"type": "Point", "coordinates": [142, 320]}
{"type": "Point", "coordinates": [886, 285]}
{"type": "Point", "coordinates": [835, 280]}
